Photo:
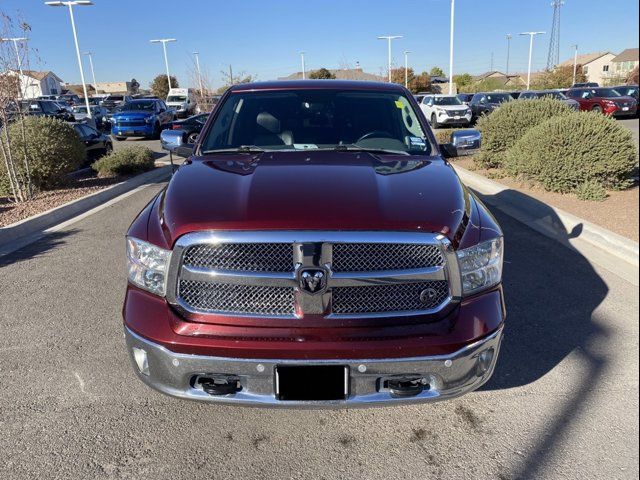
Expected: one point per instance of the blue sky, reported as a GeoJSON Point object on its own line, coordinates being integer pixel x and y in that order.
{"type": "Point", "coordinates": [265, 37]}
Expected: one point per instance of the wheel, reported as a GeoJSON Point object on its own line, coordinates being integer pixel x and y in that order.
{"type": "Point", "coordinates": [434, 121]}
{"type": "Point", "coordinates": [192, 137]}
{"type": "Point", "coordinates": [120, 139]}
{"type": "Point", "coordinates": [156, 131]}
{"type": "Point", "coordinates": [597, 108]}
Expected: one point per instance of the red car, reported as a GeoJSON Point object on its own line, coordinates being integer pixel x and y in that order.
{"type": "Point", "coordinates": [604, 100]}
{"type": "Point", "coordinates": [316, 249]}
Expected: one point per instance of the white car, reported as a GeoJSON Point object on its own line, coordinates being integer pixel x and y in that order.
{"type": "Point", "coordinates": [445, 110]}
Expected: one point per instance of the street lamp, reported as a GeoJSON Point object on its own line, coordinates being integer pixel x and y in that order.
{"type": "Point", "coordinates": [164, 42]}
{"type": "Point", "coordinates": [15, 41]}
{"type": "Point", "coordinates": [304, 71]}
{"type": "Point", "coordinates": [531, 35]}
{"type": "Point", "coordinates": [93, 73]}
{"type": "Point", "coordinates": [388, 38]}
{"type": "Point", "coordinates": [509, 37]}
{"type": "Point", "coordinates": [197, 55]}
{"type": "Point", "coordinates": [575, 62]}
{"type": "Point", "coordinates": [453, 12]}
{"type": "Point", "coordinates": [406, 68]}
{"type": "Point", "coordinates": [71, 4]}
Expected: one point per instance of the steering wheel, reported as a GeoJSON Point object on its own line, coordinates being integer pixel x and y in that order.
{"type": "Point", "coordinates": [375, 134]}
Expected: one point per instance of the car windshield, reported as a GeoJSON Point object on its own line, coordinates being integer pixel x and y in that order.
{"type": "Point", "coordinates": [498, 97]}
{"type": "Point", "coordinates": [176, 98]}
{"type": "Point", "coordinates": [605, 92]}
{"type": "Point", "coordinates": [79, 109]}
{"type": "Point", "coordinates": [446, 101]}
{"type": "Point", "coordinates": [114, 99]}
{"type": "Point", "coordinates": [317, 119]}
{"type": "Point", "coordinates": [139, 105]}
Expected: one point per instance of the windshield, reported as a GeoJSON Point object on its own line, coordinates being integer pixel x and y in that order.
{"type": "Point", "coordinates": [176, 98]}
{"type": "Point", "coordinates": [446, 101]}
{"type": "Point", "coordinates": [114, 98]}
{"type": "Point", "coordinates": [498, 97]}
{"type": "Point", "coordinates": [317, 119]}
{"type": "Point", "coordinates": [140, 105]}
{"type": "Point", "coordinates": [79, 109]}
{"type": "Point", "coordinates": [605, 92]}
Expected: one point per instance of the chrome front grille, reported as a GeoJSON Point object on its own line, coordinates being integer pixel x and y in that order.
{"type": "Point", "coordinates": [330, 274]}
{"type": "Point", "coordinates": [246, 257]}
{"type": "Point", "coordinates": [407, 297]}
{"type": "Point", "coordinates": [371, 257]}
{"type": "Point", "coordinates": [228, 298]}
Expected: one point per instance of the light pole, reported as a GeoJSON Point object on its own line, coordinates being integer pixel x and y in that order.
{"type": "Point", "coordinates": [71, 4]}
{"type": "Point", "coordinates": [15, 41]}
{"type": "Point", "coordinates": [388, 38]}
{"type": "Point", "coordinates": [509, 37]}
{"type": "Point", "coordinates": [406, 68]}
{"type": "Point", "coordinates": [575, 62]}
{"type": "Point", "coordinates": [164, 42]}
{"type": "Point", "coordinates": [453, 13]}
{"type": "Point", "coordinates": [531, 35]}
{"type": "Point", "coordinates": [93, 73]}
{"type": "Point", "coordinates": [197, 55]}
{"type": "Point", "coordinates": [304, 71]}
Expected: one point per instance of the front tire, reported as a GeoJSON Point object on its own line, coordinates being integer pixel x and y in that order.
{"type": "Point", "coordinates": [434, 121]}
{"type": "Point", "coordinates": [192, 137]}
{"type": "Point", "coordinates": [597, 109]}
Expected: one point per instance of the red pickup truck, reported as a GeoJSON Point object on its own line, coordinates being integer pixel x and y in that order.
{"type": "Point", "coordinates": [315, 249]}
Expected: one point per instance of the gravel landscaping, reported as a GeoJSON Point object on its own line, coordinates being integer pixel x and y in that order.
{"type": "Point", "coordinates": [618, 213]}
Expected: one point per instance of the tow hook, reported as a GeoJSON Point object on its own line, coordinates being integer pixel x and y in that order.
{"type": "Point", "coordinates": [219, 384]}
{"type": "Point", "coordinates": [406, 386]}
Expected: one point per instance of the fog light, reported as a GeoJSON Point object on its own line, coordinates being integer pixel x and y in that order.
{"type": "Point", "coordinates": [140, 356]}
{"type": "Point", "coordinates": [484, 361]}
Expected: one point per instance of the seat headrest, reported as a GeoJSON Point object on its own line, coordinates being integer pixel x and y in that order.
{"type": "Point", "coordinates": [268, 122]}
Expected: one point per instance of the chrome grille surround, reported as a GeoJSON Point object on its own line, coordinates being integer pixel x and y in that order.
{"type": "Point", "coordinates": [406, 261]}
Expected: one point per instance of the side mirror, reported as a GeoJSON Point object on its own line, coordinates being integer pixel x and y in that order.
{"type": "Point", "coordinates": [466, 141]}
{"type": "Point", "coordinates": [171, 140]}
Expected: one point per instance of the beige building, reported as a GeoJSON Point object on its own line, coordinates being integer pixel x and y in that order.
{"type": "Point", "coordinates": [595, 66]}
{"type": "Point", "coordinates": [624, 63]}
{"type": "Point", "coordinates": [121, 88]}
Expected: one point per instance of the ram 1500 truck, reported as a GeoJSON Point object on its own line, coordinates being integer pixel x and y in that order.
{"type": "Point", "coordinates": [316, 248]}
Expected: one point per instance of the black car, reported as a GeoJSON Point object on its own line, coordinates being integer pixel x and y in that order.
{"type": "Point", "coordinates": [46, 108]}
{"type": "Point", "coordinates": [585, 85]}
{"type": "Point", "coordinates": [465, 97]}
{"type": "Point", "coordinates": [96, 143]}
{"type": "Point", "coordinates": [628, 91]}
{"type": "Point", "coordinates": [515, 94]}
{"type": "Point", "coordinates": [190, 126]}
{"type": "Point", "coordinates": [485, 103]}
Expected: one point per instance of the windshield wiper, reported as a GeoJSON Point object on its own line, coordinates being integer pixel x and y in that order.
{"type": "Point", "coordinates": [240, 149]}
{"type": "Point", "coordinates": [356, 148]}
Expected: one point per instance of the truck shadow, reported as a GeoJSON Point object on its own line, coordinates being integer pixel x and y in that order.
{"type": "Point", "coordinates": [552, 292]}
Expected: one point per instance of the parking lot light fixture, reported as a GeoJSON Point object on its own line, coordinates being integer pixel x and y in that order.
{"type": "Point", "coordinates": [453, 13]}
{"type": "Point", "coordinates": [531, 35]}
{"type": "Point", "coordinates": [575, 62]}
{"type": "Point", "coordinates": [388, 38]}
{"type": "Point", "coordinates": [406, 68]}
{"type": "Point", "coordinates": [304, 70]}
{"type": "Point", "coordinates": [509, 37]}
{"type": "Point", "coordinates": [93, 73]}
{"type": "Point", "coordinates": [197, 56]}
{"type": "Point", "coordinates": [164, 42]}
{"type": "Point", "coordinates": [71, 4]}
{"type": "Point", "coordinates": [15, 41]}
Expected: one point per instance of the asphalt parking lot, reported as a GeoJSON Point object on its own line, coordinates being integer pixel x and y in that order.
{"type": "Point", "coordinates": [632, 124]}
{"type": "Point", "coordinates": [563, 402]}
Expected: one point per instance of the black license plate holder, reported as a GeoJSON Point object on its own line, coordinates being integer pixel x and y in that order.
{"type": "Point", "coordinates": [312, 382]}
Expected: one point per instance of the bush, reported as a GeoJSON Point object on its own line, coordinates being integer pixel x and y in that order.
{"type": "Point", "coordinates": [504, 127]}
{"type": "Point", "coordinates": [53, 148]}
{"type": "Point", "coordinates": [591, 191]}
{"type": "Point", "coordinates": [575, 153]}
{"type": "Point", "coordinates": [126, 161]}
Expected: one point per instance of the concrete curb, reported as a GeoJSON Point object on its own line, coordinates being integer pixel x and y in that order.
{"type": "Point", "coordinates": [548, 220]}
{"type": "Point", "coordinates": [38, 224]}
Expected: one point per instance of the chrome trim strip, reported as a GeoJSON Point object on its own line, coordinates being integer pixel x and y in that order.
{"type": "Point", "coordinates": [357, 279]}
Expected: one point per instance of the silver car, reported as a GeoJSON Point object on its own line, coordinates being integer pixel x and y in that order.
{"type": "Point", "coordinates": [530, 94]}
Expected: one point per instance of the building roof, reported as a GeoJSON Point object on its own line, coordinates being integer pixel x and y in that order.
{"type": "Point", "coordinates": [628, 55]}
{"type": "Point", "coordinates": [584, 59]}
{"type": "Point", "coordinates": [39, 75]}
{"type": "Point", "coordinates": [343, 74]}
{"type": "Point", "coordinates": [492, 73]}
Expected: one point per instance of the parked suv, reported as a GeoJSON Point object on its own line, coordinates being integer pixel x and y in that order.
{"type": "Point", "coordinates": [141, 118]}
{"type": "Point", "coordinates": [316, 249]}
{"type": "Point", "coordinates": [604, 100]}
{"type": "Point", "coordinates": [485, 103]}
{"type": "Point", "coordinates": [556, 94]}
{"type": "Point", "coordinates": [46, 108]}
{"type": "Point", "coordinates": [445, 110]}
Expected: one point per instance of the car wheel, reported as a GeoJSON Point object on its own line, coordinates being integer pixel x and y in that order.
{"type": "Point", "coordinates": [434, 121]}
{"type": "Point", "coordinates": [597, 108]}
{"type": "Point", "coordinates": [192, 137]}
{"type": "Point", "coordinates": [156, 131]}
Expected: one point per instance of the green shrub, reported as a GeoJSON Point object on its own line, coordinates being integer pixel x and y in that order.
{"type": "Point", "coordinates": [566, 153]}
{"type": "Point", "coordinates": [591, 191]}
{"type": "Point", "coordinates": [504, 127]}
{"type": "Point", "coordinates": [53, 149]}
{"type": "Point", "coordinates": [126, 161]}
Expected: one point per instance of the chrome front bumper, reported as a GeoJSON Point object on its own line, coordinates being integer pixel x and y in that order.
{"type": "Point", "coordinates": [448, 376]}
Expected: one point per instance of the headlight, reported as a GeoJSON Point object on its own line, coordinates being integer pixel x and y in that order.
{"type": "Point", "coordinates": [147, 265]}
{"type": "Point", "coordinates": [481, 266]}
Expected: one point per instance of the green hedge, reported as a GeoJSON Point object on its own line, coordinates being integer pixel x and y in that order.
{"type": "Point", "coordinates": [53, 148]}
{"type": "Point", "coordinates": [576, 153]}
{"type": "Point", "coordinates": [504, 127]}
{"type": "Point", "coordinates": [125, 161]}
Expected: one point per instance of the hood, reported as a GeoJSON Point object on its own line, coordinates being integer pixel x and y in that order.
{"type": "Point", "coordinates": [452, 108]}
{"type": "Point", "coordinates": [315, 191]}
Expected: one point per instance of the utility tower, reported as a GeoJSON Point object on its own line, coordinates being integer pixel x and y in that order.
{"type": "Point", "coordinates": [554, 43]}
